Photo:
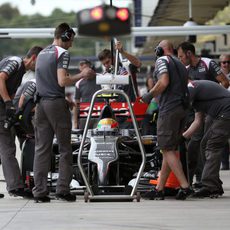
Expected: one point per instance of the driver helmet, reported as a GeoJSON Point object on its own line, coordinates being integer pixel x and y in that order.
{"type": "Point", "coordinates": [107, 124]}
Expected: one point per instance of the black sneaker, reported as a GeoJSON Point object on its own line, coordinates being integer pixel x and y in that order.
{"type": "Point", "coordinates": [42, 199]}
{"type": "Point", "coordinates": [154, 194]}
{"type": "Point", "coordinates": [21, 192]}
{"type": "Point", "coordinates": [225, 167]}
{"type": "Point", "coordinates": [220, 191]}
{"type": "Point", "coordinates": [206, 192]}
{"type": "Point", "coordinates": [202, 192]}
{"type": "Point", "coordinates": [66, 197]}
{"type": "Point", "coordinates": [1, 195]}
{"type": "Point", "coordinates": [183, 193]}
{"type": "Point", "coordinates": [197, 185]}
{"type": "Point", "coordinates": [217, 193]}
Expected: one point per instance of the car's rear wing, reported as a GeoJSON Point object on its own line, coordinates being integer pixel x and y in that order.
{"type": "Point", "coordinates": [119, 109]}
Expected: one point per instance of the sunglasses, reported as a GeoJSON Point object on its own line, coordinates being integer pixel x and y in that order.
{"type": "Point", "coordinates": [225, 62]}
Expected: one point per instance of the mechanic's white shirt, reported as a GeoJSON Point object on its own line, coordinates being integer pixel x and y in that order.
{"type": "Point", "coordinates": [29, 75]}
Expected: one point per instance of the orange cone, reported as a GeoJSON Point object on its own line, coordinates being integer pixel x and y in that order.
{"type": "Point", "coordinates": [171, 182]}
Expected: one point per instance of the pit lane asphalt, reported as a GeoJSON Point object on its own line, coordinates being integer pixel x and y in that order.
{"type": "Point", "coordinates": [199, 214]}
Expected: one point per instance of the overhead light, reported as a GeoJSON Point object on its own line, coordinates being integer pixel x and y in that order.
{"type": "Point", "coordinates": [190, 22]}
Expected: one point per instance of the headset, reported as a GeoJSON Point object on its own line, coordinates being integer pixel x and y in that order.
{"type": "Point", "coordinates": [159, 51]}
{"type": "Point", "coordinates": [66, 35]}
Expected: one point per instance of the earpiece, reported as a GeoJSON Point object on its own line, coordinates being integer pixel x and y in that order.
{"type": "Point", "coordinates": [66, 36]}
{"type": "Point", "coordinates": [159, 51]}
{"type": "Point", "coordinates": [189, 53]}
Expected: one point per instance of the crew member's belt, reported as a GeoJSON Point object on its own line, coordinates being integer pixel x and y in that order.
{"type": "Point", "coordinates": [51, 98]}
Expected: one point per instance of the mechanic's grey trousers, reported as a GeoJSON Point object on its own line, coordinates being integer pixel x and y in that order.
{"type": "Point", "coordinates": [214, 140]}
{"type": "Point", "coordinates": [52, 116]}
{"type": "Point", "coordinates": [10, 165]}
{"type": "Point", "coordinates": [196, 152]}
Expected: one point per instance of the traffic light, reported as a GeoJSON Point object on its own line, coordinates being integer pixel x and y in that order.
{"type": "Point", "coordinates": [104, 20]}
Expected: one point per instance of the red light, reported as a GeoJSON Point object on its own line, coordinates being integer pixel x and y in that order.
{"type": "Point", "coordinates": [96, 13]}
{"type": "Point", "coordinates": [123, 14]}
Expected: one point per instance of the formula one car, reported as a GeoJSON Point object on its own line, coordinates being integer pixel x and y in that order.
{"type": "Point", "coordinates": [107, 157]}
{"type": "Point", "coordinates": [111, 156]}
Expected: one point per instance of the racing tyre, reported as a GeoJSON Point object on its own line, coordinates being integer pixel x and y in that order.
{"type": "Point", "coordinates": [27, 157]}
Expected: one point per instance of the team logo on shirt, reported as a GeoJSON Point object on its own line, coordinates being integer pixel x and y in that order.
{"type": "Point", "coordinates": [201, 70]}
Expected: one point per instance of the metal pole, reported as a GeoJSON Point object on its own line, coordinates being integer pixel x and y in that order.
{"type": "Point", "coordinates": [111, 40]}
{"type": "Point", "coordinates": [190, 9]}
{"type": "Point", "coordinates": [136, 31]}
{"type": "Point", "coordinates": [116, 59]}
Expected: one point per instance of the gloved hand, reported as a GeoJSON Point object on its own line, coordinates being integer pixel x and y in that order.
{"type": "Point", "coordinates": [19, 114]}
{"type": "Point", "coordinates": [10, 110]}
{"type": "Point", "coordinates": [147, 97]}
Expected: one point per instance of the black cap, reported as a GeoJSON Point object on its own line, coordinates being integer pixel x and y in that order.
{"type": "Point", "coordinates": [85, 61]}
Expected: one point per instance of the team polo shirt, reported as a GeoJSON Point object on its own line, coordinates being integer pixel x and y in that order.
{"type": "Point", "coordinates": [27, 89]}
{"type": "Point", "coordinates": [209, 97]}
{"type": "Point", "coordinates": [206, 69]}
{"type": "Point", "coordinates": [48, 62]}
{"type": "Point", "coordinates": [15, 69]}
{"type": "Point", "coordinates": [173, 94]}
{"type": "Point", "coordinates": [85, 89]}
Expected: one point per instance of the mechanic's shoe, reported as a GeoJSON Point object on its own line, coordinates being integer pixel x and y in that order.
{"type": "Point", "coordinates": [202, 192]}
{"type": "Point", "coordinates": [225, 167]}
{"type": "Point", "coordinates": [1, 195]}
{"type": "Point", "coordinates": [206, 192]}
{"type": "Point", "coordinates": [217, 193]}
{"type": "Point", "coordinates": [21, 192]}
{"type": "Point", "coordinates": [183, 193]}
{"type": "Point", "coordinates": [17, 192]}
{"type": "Point", "coordinates": [154, 194]}
{"type": "Point", "coordinates": [66, 197]}
{"type": "Point", "coordinates": [197, 185]}
{"type": "Point", "coordinates": [221, 191]}
{"type": "Point", "coordinates": [42, 199]}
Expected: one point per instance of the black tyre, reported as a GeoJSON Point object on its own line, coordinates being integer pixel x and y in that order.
{"type": "Point", "coordinates": [27, 157]}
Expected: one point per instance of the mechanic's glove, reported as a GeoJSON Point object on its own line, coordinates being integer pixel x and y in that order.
{"type": "Point", "coordinates": [10, 110]}
{"type": "Point", "coordinates": [147, 97]}
{"type": "Point", "coordinates": [19, 114]}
